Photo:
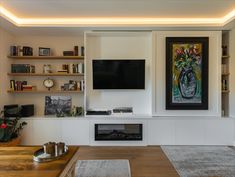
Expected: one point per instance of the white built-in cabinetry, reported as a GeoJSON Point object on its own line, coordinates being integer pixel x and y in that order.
{"type": "Point", "coordinates": [156, 131]}
{"type": "Point", "coordinates": [160, 126]}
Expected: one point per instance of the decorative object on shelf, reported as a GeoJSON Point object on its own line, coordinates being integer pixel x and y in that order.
{"type": "Point", "coordinates": [42, 51]}
{"type": "Point", "coordinates": [224, 50]}
{"type": "Point", "coordinates": [58, 105]}
{"type": "Point", "coordinates": [50, 151]}
{"type": "Point", "coordinates": [123, 110]}
{"type": "Point", "coordinates": [75, 50]}
{"type": "Point", "coordinates": [47, 68]}
{"type": "Point", "coordinates": [72, 85]}
{"type": "Point", "coordinates": [77, 111]}
{"type": "Point", "coordinates": [27, 110]}
{"type": "Point", "coordinates": [82, 51]}
{"type": "Point", "coordinates": [27, 51]}
{"type": "Point", "coordinates": [68, 53]}
{"type": "Point", "coordinates": [49, 83]}
{"type": "Point", "coordinates": [187, 73]}
{"type": "Point", "coordinates": [13, 50]}
{"type": "Point", "coordinates": [224, 85]}
{"type": "Point", "coordinates": [8, 110]}
{"type": "Point", "coordinates": [10, 127]}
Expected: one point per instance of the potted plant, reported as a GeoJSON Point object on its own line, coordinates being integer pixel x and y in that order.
{"type": "Point", "coordinates": [10, 129]}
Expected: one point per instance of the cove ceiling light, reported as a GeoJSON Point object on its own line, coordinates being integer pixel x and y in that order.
{"type": "Point", "coordinates": [112, 21]}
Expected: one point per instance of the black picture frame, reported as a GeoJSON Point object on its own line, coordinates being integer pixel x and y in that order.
{"type": "Point", "coordinates": [187, 73]}
{"type": "Point", "coordinates": [42, 51]}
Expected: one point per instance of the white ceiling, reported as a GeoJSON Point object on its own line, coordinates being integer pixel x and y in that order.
{"type": "Point", "coordinates": [25, 9]}
{"type": "Point", "coordinates": [119, 8]}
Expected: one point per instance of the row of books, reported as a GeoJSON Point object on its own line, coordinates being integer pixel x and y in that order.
{"type": "Point", "coordinates": [22, 68]}
{"type": "Point", "coordinates": [72, 68]}
{"type": "Point", "coordinates": [73, 86]}
{"type": "Point", "coordinates": [21, 50]}
{"type": "Point", "coordinates": [20, 86]}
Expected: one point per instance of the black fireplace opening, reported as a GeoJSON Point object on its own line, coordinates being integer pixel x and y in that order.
{"type": "Point", "coordinates": [118, 132]}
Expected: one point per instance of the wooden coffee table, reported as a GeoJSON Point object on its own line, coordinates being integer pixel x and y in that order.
{"type": "Point", "coordinates": [18, 162]}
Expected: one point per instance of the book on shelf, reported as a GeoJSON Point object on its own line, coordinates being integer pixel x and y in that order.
{"type": "Point", "coordinates": [78, 68]}
{"type": "Point", "coordinates": [21, 86]}
{"type": "Point", "coordinates": [73, 86]}
{"type": "Point", "coordinates": [21, 51]}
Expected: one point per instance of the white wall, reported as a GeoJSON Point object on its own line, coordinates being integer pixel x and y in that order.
{"type": "Point", "coordinates": [214, 84]}
{"type": "Point", "coordinates": [6, 40]}
{"type": "Point", "coordinates": [120, 45]}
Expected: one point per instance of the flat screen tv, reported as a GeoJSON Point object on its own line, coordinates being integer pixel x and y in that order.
{"type": "Point", "coordinates": [118, 74]}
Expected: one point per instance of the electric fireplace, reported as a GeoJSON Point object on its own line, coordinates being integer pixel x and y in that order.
{"type": "Point", "coordinates": [118, 132]}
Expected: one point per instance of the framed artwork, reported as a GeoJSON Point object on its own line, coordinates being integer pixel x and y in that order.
{"type": "Point", "coordinates": [187, 73]}
{"type": "Point", "coordinates": [58, 105]}
{"type": "Point", "coordinates": [42, 51]}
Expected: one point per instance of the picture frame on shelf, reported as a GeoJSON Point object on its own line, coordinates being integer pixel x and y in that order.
{"type": "Point", "coordinates": [187, 73]}
{"type": "Point", "coordinates": [42, 51]}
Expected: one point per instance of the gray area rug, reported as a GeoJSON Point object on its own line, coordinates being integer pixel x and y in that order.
{"type": "Point", "coordinates": [102, 168]}
{"type": "Point", "coordinates": [202, 161]}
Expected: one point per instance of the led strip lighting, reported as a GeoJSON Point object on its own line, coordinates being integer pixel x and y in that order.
{"type": "Point", "coordinates": [112, 21]}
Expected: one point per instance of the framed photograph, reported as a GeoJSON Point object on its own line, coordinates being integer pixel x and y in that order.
{"type": "Point", "coordinates": [58, 105]}
{"type": "Point", "coordinates": [44, 51]}
{"type": "Point", "coordinates": [187, 73]}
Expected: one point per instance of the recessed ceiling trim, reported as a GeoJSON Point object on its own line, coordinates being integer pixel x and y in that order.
{"type": "Point", "coordinates": [113, 21]}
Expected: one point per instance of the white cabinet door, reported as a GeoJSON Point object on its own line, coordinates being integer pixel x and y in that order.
{"type": "Point", "coordinates": [27, 133]}
{"type": "Point", "coordinates": [75, 132]}
{"type": "Point", "coordinates": [46, 130]}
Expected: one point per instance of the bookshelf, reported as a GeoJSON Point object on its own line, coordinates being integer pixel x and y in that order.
{"type": "Point", "coordinates": [45, 74]}
{"type": "Point", "coordinates": [225, 75]}
{"type": "Point", "coordinates": [25, 71]}
{"type": "Point", "coordinates": [46, 57]}
{"type": "Point", "coordinates": [44, 91]}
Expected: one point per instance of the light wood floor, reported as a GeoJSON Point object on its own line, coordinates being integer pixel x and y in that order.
{"type": "Point", "coordinates": [144, 161]}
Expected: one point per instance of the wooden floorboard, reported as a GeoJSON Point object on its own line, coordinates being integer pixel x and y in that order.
{"type": "Point", "coordinates": [144, 161]}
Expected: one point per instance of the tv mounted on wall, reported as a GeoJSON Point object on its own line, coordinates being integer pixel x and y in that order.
{"type": "Point", "coordinates": [118, 74]}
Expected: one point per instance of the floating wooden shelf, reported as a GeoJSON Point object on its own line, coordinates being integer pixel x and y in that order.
{"type": "Point", "coordinates": [225, 91]}
{"type": "Point", "coordinates": [45, 74]}
{"type": "Point", "coordinates": [225, 74]}
{"type": "Point", "coordinates": [47, 57]}
{"type": "Point", "coordinates": [225, 56]}
{"type": "Point", "coordinates": [44, 91]}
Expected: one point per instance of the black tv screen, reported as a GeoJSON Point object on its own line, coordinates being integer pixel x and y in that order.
{"type": "Point", "coordinates": [118, 74]}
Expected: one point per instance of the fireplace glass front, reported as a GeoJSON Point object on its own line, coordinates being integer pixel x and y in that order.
{"type": "Point", "coordinates": [119, 132]}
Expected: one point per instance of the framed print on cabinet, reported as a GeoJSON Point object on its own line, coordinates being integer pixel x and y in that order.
{"type": "Point", "coordinates": [187, 73]}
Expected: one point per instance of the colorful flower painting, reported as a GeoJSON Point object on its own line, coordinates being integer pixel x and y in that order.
{"type": "Point", "coordinates": [187, 61]}
{"type": "Point", "coordinates": [186, 80]}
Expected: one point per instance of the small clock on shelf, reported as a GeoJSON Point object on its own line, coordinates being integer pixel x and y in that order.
{"type": "Point", "coordinates": [48, 83]}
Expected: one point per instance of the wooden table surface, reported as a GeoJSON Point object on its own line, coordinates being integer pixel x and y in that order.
{"type": "Point", "coordinates": [18, 162]}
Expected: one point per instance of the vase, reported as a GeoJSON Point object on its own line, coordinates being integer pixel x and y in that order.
{"type": "Point", "coordinates": [187, 83]}
{"type": "Point", "coordinates": [12, 142]}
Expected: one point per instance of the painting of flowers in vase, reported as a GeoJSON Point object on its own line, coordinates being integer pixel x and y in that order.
{"type": "Point", "coordinates": [187, 73]}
